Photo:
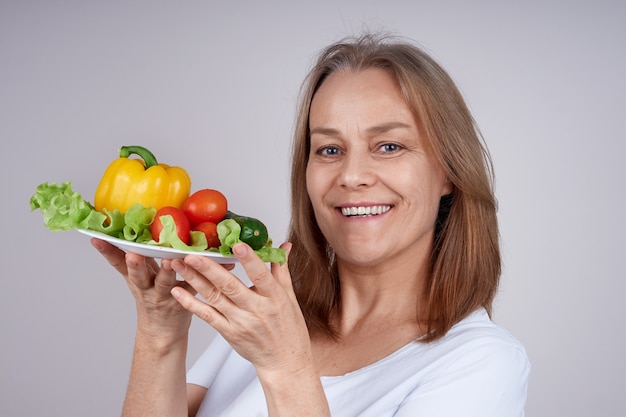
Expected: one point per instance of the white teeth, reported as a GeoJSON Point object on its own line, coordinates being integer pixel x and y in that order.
{"type": "Point", "coordinates": [364, 211]}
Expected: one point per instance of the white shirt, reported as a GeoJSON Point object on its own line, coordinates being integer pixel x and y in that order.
{"type": "Point", "coordinates": [476, 370]}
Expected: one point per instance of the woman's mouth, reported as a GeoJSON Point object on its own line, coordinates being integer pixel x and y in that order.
{"type": "Point", "coordinates": [364, 211]}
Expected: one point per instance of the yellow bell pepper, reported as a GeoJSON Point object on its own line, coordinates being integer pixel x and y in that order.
{"type": "Point", "coordinates": [128, 181]}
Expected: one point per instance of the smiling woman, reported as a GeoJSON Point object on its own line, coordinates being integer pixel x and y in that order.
{"type": "Point", "coordinates": [366, 151]}
{"type": "Point", "coordinates": [393, 263]}
{"type": "Point", "coordinates": [435, 125]}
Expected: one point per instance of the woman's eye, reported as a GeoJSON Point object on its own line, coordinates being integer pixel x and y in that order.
{"type": "Point", "coordinates": [389, 147]}
{"type": "Point", "coordinates": [328, 151]}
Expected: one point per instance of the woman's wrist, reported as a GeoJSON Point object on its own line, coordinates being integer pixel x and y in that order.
{"type": "Point", "coordinates": [159, 340]}
{"type": "Point", "coordinates": [283, 400]}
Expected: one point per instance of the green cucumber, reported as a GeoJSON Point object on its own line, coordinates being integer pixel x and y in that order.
{"type": "Point", "coordinates": [253, 231]}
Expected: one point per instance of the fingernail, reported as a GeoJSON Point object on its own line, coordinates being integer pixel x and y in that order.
{"type": "Point", "coordinates": [192, 261]}
{"type": "Point", "coordinates": [177, 265]}
{"type": "Point", "coordinates": [166, 264]}
{"type": "Point", "coordinates": [240, 249]}
{"type": "Point", "coordinates": [176, 292]}
{"type": "Point", "coordinates": [96, 243]}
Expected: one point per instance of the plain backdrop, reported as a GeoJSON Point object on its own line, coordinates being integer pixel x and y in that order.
{"type": "Point", "coordinates": [212, 86]}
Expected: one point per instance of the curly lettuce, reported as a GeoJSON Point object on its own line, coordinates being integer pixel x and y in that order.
{"type": "Point", "coordinates": [64, 209]}
{"type": "Point", "coordinates": [168, 237]}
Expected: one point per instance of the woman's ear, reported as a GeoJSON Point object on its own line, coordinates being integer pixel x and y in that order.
{"type": "Point", "coordinates": [447, 188]}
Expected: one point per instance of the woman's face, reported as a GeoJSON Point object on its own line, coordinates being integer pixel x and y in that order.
{"type": "Point", "coordinates": [374, 185]}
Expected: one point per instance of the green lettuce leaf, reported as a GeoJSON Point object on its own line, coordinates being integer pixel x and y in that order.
{"type": "Point", "coordinates": [64, 209]}
{"type": "Point", "coordinates": [228, 232]}
{"type": "Point", "coordinates": [61, 207]}
{"type": "Point", "coordinates": [270, 254]}
{"type": "Point", "coordinates": [110, 222]}
{"type": "Point", "coordinates": [169, 237]}
{"type": "Point", "coordinates": [137, 222]}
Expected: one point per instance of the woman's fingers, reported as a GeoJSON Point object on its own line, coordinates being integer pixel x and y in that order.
{"type": "Point", "coordinates": [220, 288]}
{"type": "Point", "coordinates": [114, 256]}
{"type": "Point", "coordinates": [140, 272]}
{"type": "Point", "coordinates": [217, 308]}
{"type": "Point", "coordinates": [226, 298]}
{"type": "Point", "coordinates": [165, 279]}
{"type": "Point", "coordinates": [202, 310]}
{"type": "Point", "coordinates": [228, 303]}
{"type": "Point", "coordinates": [261, 277]}
{"type": "Point", "coordinates": [159, 315]}
{"type": "Point", "coordinates": [210, 279]}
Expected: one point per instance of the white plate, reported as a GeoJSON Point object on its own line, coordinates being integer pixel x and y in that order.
{"type": "Point", "coordinates": [153, 251]}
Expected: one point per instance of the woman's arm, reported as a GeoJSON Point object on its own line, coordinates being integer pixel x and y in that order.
{"type": "Point", "coordinates": [157, 385]}
{"type": "Point", "coordinates": [195, 395]}
{"type": "Point", "coordinates": [263, 324]}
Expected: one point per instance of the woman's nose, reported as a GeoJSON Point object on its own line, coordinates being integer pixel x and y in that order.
{"type": "Point", "coordinates": [357, 170]}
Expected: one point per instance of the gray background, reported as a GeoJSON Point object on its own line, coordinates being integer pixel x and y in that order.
{"type": "Point", "coordinates": [212, 87]}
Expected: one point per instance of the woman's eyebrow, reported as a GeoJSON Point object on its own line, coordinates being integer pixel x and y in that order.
{"type": "Point", "coordinates": [386, 127]}
{"type": "Point", "coordinates": [382, 128]}
{"type": "Point", "coordinates": [326, 131]}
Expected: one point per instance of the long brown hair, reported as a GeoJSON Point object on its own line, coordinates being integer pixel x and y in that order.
{"type": "Point", "coordinates": [465, 263]}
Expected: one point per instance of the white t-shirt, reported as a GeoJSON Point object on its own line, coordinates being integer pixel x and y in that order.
{"type": "Point", "coordinates": [476, 370]}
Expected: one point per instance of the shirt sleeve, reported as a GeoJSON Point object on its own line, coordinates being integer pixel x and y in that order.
{"type": "Point", "coordinates": [208, 365]}
{"type": "Point", "coordinates": [489, 380]}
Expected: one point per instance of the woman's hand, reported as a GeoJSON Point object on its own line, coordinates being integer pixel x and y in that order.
{"type": "Point", "coordinates": [159, 315]}
{"type": "Point", "coordinates": [263, 323]}
{"type": "Point", "coordinates": [157, 383]}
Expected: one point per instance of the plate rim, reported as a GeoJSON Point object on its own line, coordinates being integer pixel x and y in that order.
{"type": "Point", "coordinates": [153, 248]}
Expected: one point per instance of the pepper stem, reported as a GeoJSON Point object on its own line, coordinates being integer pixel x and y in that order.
{"type": "Point", "coordinates": [148, 157]}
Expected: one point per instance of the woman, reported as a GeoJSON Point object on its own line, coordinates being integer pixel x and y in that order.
{"type": "Point", "coordinates": [393, 264]}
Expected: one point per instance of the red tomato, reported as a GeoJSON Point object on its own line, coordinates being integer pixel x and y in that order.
{"type": "Point", "coordinates": [210, 231]}
{"type": "Point", "coordinates": [205, 206]}
{"type": "Point", "coordinates": [182, 223]}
